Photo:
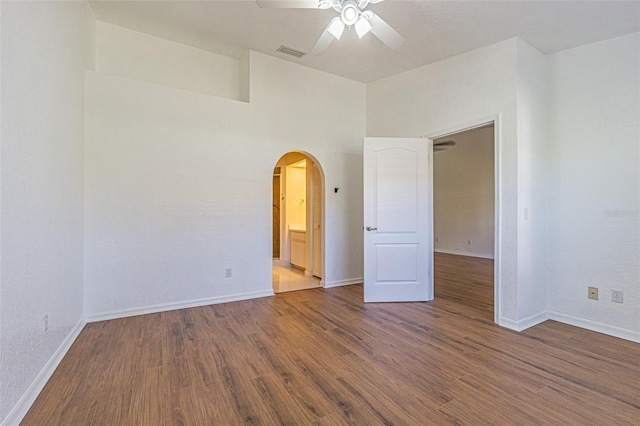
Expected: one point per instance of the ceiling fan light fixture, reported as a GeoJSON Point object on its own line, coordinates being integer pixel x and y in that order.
{"type": "Point", "coordinates": [336, 27]}
{"type": "Point", "coordinates": [350, 13]}
{"type": "Point", "coordinates": [362, 27]}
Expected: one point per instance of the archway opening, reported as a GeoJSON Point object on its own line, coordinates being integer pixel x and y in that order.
{"type": "Point", "coordinates": [298, 223]}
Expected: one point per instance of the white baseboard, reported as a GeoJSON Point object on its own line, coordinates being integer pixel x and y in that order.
{"type": "Point", "coordinates": [525, 323]}
{"type": "Point", "coordinates": [609, 330]}
{"type": "Point", "coordinates": [341, 283]}
{"type": "Point", "coordinates": [18, 412]}
{"type": "Point", "coordinates": [103, 316]}
{"type": "Point", "coordinates": [464, 253]}
{"type": "Point", "coordinates": [622, 333]}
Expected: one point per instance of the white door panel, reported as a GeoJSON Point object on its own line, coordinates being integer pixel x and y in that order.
{"type": "Point", "coordinates": [398, 220]}
{"type": "Point", "coordinates": [395, 205]}
{"type": "Point", "coordinates": [397, 263]}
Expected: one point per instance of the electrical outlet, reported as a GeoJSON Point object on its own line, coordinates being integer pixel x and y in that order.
{"type": "Point", "coordinates": [468, 242]}
{"type": "Point", "coordinates": [616, 295]}
{"type": "Point", "coordinates": [45, 322]}
{"type": "Point", "coordinates": [436, 239]}
{"type": "Point", "coordinates": [228, 272]}
{"type": "Point", "coordinates": [593, 293]}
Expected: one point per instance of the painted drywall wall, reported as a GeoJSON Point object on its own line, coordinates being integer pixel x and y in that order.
{"type": "Point", "coordinates": [292, 113]}
{"type": "Point", "coordinates": [594, 190]}
{"type": "Point", "coordinates": [533, 99]}
{"type": "Point", "coordinates": [45, 49]}
{"type": "Point", "coordinates": [166, 207]}
{"type": "Point", "coordinates": [2, 413]}
{"type": "Point", "coordinates": [463, 194]}
{"type": "Point", "coordinates": [568, 204]}
{"type": "Point", "coordinates": [135, 55]}
{"type": "Point", "coordinates": [451, 95]}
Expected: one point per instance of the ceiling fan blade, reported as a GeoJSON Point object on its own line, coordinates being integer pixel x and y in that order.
{"type": "Point", "coordinates": [322, 44]}
{"type": "Point", "coordinates": [289, 4]}
{"type": "Point", "coordinates": [441, 146]}
{"type": "Point", "coordinates": [384, 32]}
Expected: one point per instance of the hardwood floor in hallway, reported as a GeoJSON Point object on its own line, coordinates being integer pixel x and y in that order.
{"type": "Point", "coordinates": [322, 357]}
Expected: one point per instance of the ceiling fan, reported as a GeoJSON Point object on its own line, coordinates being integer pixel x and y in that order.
{"type": "Point", "coordinates": [352, 13]}
{"type": "Point", "coordinates": [442, 145]}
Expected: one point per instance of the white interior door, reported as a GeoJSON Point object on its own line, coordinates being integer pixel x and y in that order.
{"type": "Point", "coordinates": [398, 220]}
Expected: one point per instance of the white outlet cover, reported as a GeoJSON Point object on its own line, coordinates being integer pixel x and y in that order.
{"type": "Point", "coordinates": [617, 296]}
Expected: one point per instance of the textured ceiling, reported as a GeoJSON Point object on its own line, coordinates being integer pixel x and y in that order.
{"type": "Point", "coordinates": [433, 30]}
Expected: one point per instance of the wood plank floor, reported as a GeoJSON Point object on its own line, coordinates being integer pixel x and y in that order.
{"type": "Point", "coordinates": [322, 357]}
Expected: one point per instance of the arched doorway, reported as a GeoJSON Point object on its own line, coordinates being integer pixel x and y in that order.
{"type": "Point", "coordinates": [298, 222]}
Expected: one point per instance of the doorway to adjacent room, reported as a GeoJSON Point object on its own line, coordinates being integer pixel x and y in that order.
{"type": "Point", "coordinates": [464, 205]}
{"type": "Point", "coordinates": [298, 222]}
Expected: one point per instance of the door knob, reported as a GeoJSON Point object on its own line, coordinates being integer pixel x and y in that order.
{"type": "Point", "coordinates": [371, 229]}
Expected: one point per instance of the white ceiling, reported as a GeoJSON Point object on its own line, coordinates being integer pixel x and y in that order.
{"type": "Point", "coordinates": [433, 30]}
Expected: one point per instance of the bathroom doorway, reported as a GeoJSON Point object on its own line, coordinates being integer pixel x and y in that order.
{"type": "Point", "coordinates": [298, 223]}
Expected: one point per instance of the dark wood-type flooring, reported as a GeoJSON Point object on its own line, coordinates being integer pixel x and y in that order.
{"type": "Point", "coordinates": [322, 357]}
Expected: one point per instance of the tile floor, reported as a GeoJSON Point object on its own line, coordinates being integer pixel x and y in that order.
{"type": "Point", "coordinates": [292, 279]}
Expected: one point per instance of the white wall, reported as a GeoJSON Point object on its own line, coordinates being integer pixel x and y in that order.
{"type": "Point", "coordinates": [463, 194]}
{"type": "Point", "coordinates": [143, 57]}
{"type": "Point", "coordinates": [450, 95]}
{"type": "Point", "coordinates": [533, 142]}
{"type": "Point", "coordinates": [178, 184]}
{"type": "Point", "coordinates": [569, 182]}
{"type": "Point", "coordinates": [292, 113]}
{"type": "Point", "coordinates": [45, 49]}
{"type": "Point", "coordinates": [594, 195]}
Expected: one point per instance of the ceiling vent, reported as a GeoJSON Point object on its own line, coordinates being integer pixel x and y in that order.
{"type": "Point", "coordinates": [290, 51]}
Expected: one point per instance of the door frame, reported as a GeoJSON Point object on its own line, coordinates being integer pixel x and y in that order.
{"type": "Point", "coordinates": [309, 212]}
{"type": "Point", "coordinates": [311, 205]}
{"type": "Point", "coordinates": [497, 202]}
